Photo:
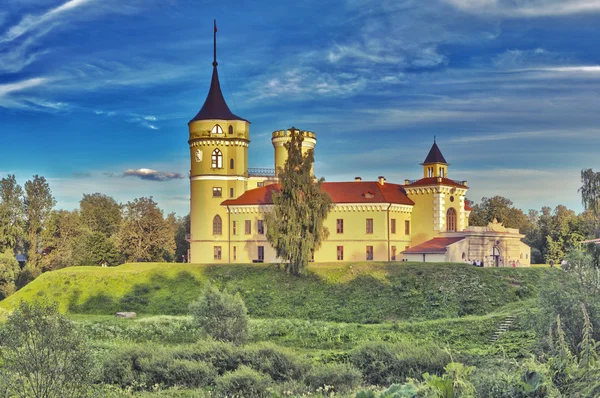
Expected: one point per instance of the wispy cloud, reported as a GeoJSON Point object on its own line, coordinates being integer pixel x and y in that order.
{"type": "Point", "coordinates": [31, 22]}
{"type": "Point", "coordinates": [22, 85]}
{"type": "Point", "coordinates": [526, 8]}
{"type": "Point", "coordinates": [153, 175]}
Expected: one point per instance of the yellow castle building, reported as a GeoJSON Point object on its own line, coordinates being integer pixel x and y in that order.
{"type": "Point", "coordinates": [426, 219]}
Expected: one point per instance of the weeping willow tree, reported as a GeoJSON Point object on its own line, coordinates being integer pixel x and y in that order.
{"type": "Point", "coordinates": [295, 224]}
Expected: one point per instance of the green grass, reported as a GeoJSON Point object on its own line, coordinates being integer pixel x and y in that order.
{"type": "Point", "coordinates": [365, 292]}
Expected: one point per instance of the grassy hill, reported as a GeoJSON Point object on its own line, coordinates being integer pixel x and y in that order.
{"type": "Point", "coordinates": [365, 292]}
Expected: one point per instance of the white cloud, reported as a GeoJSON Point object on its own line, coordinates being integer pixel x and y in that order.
{"type": "Point", "coordinates": [31, 22]}
{"type": "Point", "coordinates": [153, 175]}
{"type": "Point", "coordinates": [526, 8]}
{"type": "Point", "coordinates": [22, 85]}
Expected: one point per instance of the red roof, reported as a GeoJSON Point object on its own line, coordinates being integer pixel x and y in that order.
{"type": "Point", "coordinates": [435, 245]}
{"type": "Point", "coordinates": [434, 181]}
{"type": "Point", "coordinates": [340, 192]}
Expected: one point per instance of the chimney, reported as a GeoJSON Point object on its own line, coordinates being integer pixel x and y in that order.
{"type": "Point", "coordinates": [406, 182]}
{"type": "Point", "coordinates": [357, 179]}
{"type": "Point", "coordinates": [381, 180]}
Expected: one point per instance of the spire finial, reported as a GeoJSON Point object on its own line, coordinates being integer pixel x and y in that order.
{"type": "Point", "coordinates": [215, 45]}
{"type": "Point", "coordinates": [434, 139]}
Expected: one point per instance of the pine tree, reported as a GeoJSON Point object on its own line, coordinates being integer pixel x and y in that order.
{"type": "Point", "coordinates": [295, 224]}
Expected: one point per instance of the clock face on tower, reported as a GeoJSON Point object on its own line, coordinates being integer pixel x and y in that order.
{"type": "Point", "coordinates": [198, 155]}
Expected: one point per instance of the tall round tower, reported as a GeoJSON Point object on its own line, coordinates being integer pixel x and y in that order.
{"type": "Point", "coordinates": [280, 137]}
{"type": "Point", "coordinates": [219, 168]}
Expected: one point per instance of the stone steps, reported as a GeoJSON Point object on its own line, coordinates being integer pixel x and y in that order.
{"type": "Point", "coordinates": [502, 328]}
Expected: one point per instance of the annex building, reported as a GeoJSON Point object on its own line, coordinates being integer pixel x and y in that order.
{"type": "Point", "coordinates": [425, 219]}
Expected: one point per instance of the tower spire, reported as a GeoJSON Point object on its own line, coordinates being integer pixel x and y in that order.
{"type": "Point", "coordinates": [215, 45]}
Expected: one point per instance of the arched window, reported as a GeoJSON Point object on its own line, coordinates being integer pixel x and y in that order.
{"type": "Point", "coordinates": [217, 129]}
{"type": "Point", "coordinates": [231, 164]}
{"type": "Point", "coordinates": [442, 172]}
{"type": "Point", "coordinates": [230, 129]}
{"type": "Point", "coordinates": [217, 225]}
{"type": "Point", "coordinates": [217, 159]}
{"type": "Point", "coordinates": [451, 220]}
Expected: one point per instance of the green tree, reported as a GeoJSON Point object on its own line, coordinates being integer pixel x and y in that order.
{"type": "Point", "coordinates": [145, 235]}
{"type": "Point", "coordinates": [590, 190]}
{"type": "Point", "coordinates": [100, 213]}
{"type": "Point", "coordinates": [9, 270]}
{"type": "Point", "coordinates": [43, 354]}
{"type": "Point", "coordinates": [11, 214]}
{"type": "Point", "coordinates": [38, 205]}
{"type": "Point", "coordinates": [99, 249]}
{"type": "Point", "coordinates": [221, 315]}
{"type": "Point", "coordinates": [501, 209]}
{"type": "Point", "coordinates": [181, 243]}
{"type": "Point", "coordinates": [63, 237]}
{"type": "Point", "coordinates": [295, 223]}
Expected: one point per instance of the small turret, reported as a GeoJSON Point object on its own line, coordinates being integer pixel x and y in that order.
{"type": "Point", "coordinates": [280, 137]}
{"type": "Point", "coordinates": [435, 164]}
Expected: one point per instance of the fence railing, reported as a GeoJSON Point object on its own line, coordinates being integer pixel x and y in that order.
{"type": "Point", "coordinates": [261, 172]}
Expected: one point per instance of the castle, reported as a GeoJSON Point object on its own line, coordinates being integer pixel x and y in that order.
{"type": "Point", "coordinates": [426, 219]}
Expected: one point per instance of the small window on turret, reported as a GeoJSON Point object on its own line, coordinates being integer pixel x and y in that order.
{"type": "Point", "coordinates": [217, 159]}
{"type": "Point", "coordinates": [231, 164]}
{"type": "Point", "coordinates": [442, 172]}
{"type": "Point", "coordinates": [230, 130]}
{"type": "Point", "coordinates": [217, 129]}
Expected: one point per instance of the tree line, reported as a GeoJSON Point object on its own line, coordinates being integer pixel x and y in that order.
{"type": "Point", "coordinates": [100, 232]}
{"type": "Point", "coordinates": [551, 233]}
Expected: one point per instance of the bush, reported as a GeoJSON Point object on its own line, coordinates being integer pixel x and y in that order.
{"type": "Point", "coordinates": [340, 377]}
{"type": "Point", "coordinates": [9, 270]}
{"type": "Point", "coordinates": [279, 364]}
{"type": "Point", "coordinates": [43, 354]}
{"type": "Point", "coordinates": [143, 368]}
{"type": "Point", "coordinates": [222, 316]}
{"type": "Point", "coordinates": [224, 357]}
{"type": "Point", "coordinates": [243, 382]}
{"type": "Point", "coordinates": [384, 363]}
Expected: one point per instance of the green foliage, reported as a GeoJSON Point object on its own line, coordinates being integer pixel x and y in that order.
{"type": "Point", "coordinates": [38, 204]}
{"type": "Point", "coordinates": [455, 382]}
{"type": "Point", "coordinates": [365, 292]}
{"type": "Point", "coordinates": [222, 316]}
{"type": "Point", "coordinates": [590, 190]}
{"type": "Point", "coordinates": [243, 382]}
{"type": "Point", "coordinates": [143, 368]}
{"type": "Point", "coordinates": [145, 235]}
{"type": "Point", "coordinates": [499, 208]}
{"type": "Point", "coordinates": [408, 390]}
{"type": "Point", "coordinates": [100, 213]}
{"type": "Point", "coordinates": [9, 270]}
{"type": "Point", "coordinates": [279, 364]}
{"type": "Point", "coordinates": [338, 377]}
{"type": "Point", "coordinates": [43, 355]}
{"type": "Point", "coordinates": [11, 214]}
{"type": "Point", "coordinates": [295, 224]}
{"type": "Point", "coordinates": [385, 363]}
{"type": "Point", "coordinates": [181, 243]}
{"type": "Point", "coordinates": [64, 236]}
{"type": "Point", "coordinates": [99, 249]}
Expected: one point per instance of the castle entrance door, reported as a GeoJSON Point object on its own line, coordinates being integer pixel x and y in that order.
{"type": "Point", "coordinates": [495, 256]}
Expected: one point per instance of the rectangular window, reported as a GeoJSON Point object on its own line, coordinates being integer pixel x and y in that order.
{"type": "Point", "coordinates": [231, 192]}
{"type": "Point", "coordinates": [369, 252]}
{"type": "Point", "coordinates": [217, 192]}
{"type": "Point", "coordinates": [260, 184]}
{"type": "Point", "coordinates": [393, 253]}
{"type": "Point", "coordinates": [261, 228]}
{"type": "Point", "coordinates": [261, 253]}
{"type": "Point", "coordinates": [217, 252]}
{"type": "Point", "coordinates": [393, 226]}
{"type": "Point", "coordinates": [234, 253]}
{"type": "Point", "coordinates": [369, 225]}
{"type": "Point", "coordinates": [340, 225]}
{"type": "Point", "coordinates": [407, 227]}
{"type": "Point", "coordinates": [234, 227]}
{"type": "Point", "coordinates": [340, 252]}
{"type": "Point", "coordinates": [248, 226]}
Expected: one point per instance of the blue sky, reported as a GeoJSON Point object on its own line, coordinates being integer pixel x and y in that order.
{"type": "Point", "coordinates": [92, 91]}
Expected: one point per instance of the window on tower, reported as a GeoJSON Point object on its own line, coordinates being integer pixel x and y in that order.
{"type": "Point", "coordinates": [230, 130]}
{"type": "Point", "coordinates": [217, 129]}
{"type": "Point", "coordinates": [217, 159]}
{"type": "Point", "coordinates": [231, 164]}
{"type": "Point", "coordinates": [217, 225]}
{"type": "Point", "coordinates": [451, 220]}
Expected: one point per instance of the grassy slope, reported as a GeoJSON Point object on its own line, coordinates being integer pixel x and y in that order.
{"type": "Point", "coordinates": [359, 292]}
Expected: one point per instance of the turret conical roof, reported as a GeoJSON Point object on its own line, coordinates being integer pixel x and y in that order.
{"type": "Point", "coordinates": [215, 106]}
{"type": "Point", "coordinates": [435, 155]}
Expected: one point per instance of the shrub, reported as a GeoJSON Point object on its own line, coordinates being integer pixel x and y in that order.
{"type": "Point", "coordinates": [223, 356]}
{"type": "Point", "coordinates": [385, 363]}
{"type": "Point", "coordinates": [222, 316]}
{"type": "Point", "coordinates": [279, 364]}
{"type": "Point", "coordinates": [9, 270]}
{"type": "Point", "coordinates": [341, 377]}
{"type": "Point", "coordinates": [43, 354]}
{"type": "Point", "coordinates": [243, 382]}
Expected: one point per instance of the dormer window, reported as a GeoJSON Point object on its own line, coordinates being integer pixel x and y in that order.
{"type": "Point", "coordinates": [217, 129]}
{"type": "Point", "coordinates": [369, 195]}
